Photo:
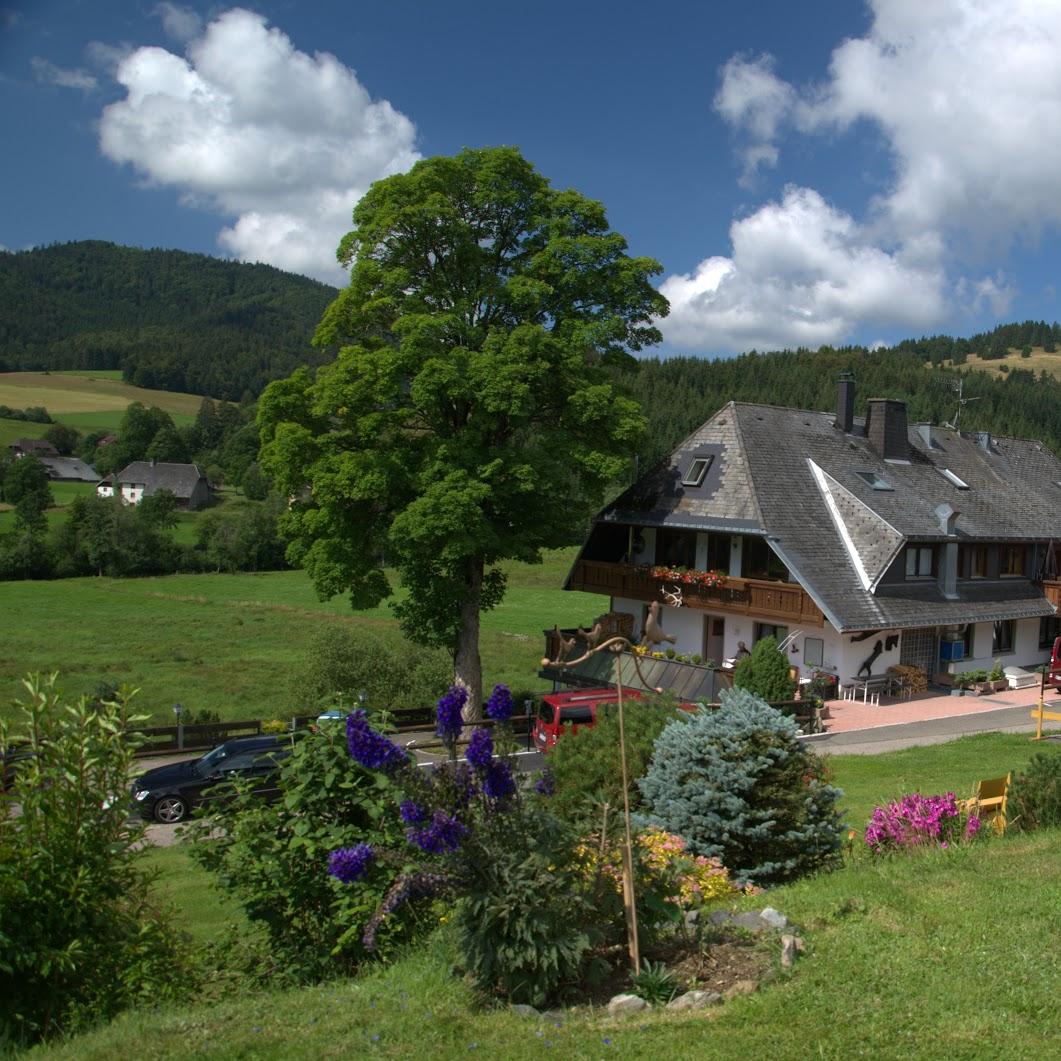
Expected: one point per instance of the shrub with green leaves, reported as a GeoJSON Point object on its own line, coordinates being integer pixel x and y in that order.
{"type": "Point", "coordinates": [737, 785]}
{"type": "Point", "coordinates": [1034, 800]}
{"type": "Point", "coordinates": [273, 858]}
{"type": "Point", "coordinates": [765, 672]}
{"type": "Point", "coordinates": [585, 763]}
{"type": "Point", "coordinates": [80, 937]}
{"type": "Point", "coordinates": [393, 672]}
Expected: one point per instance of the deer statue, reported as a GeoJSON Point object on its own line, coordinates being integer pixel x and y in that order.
{"type": "Point", "coordinates": [563, 644]}
{"type": "Point", "coordinates": [672, 597]}
{"type": "Point", "coordinates": [653, 632]}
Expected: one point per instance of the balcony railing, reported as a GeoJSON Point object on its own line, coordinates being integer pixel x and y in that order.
{"type": "Point", "coordinates": [786, 601]}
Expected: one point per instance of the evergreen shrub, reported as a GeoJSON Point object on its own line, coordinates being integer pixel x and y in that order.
{"type": "Point", "coordinates": [765, 672]}
{"type": "Point", "coordinates": [1035, 795]}
{"type": "Point", "coordinates": [585, 764]}
{"type": "Point", "coordinates": [738, 786]}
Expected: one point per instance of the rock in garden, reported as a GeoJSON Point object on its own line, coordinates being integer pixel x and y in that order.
{"type": "Point", "coordinates": [801, 945]}
{"type": "Point", "coordinates": [773, 918]}
{"type": "Point", "coordinates": [695, 1000]}
{"type": "Point", "coordinates": [788, 952]}
{"type": "Point", "coordinates": [522, 1010]}
{"type": "Point", "coordinates": [720, 917]}
{"type": "Point", "coordinates": [621, 1004]}
{"type": "Point", "coordinates": [741, 987]}
{"type": "Point", "coordinates": [752, 922]}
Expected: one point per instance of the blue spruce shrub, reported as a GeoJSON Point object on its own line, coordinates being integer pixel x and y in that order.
{"type": "Point", "coordinates": [738, 786]}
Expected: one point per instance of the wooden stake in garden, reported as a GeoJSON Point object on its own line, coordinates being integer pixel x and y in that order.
{"type": "Point", "coordinates": [1040, 713]}
{"type": "Point", "coordinates": [618, 645]}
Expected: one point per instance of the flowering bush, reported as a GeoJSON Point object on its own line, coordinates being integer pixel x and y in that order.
{"type": "Point", "coordinates": [472, 836]}
{"type": "Point", "coordinates": [690, 576]}
{"type": "Point", "coordinates": [670, 879]}
{"type": "Point", "coordinates": [920, 821]}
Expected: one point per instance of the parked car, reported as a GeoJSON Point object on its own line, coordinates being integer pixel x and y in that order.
{"type": "Point", "coordinates": [15, 756]}
{"type": "Point", "coordinates": [571, 710]}
{"type": "Point", "coordinates": [169, 793]}
{"type": "Point", "coordinates": [1053, 676]}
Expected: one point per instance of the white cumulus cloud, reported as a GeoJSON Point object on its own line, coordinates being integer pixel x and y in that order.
{"type": "Point", "coordinates": [181, 23]}
{"type": "Point", "coordinates": [965, 95]}
{"type": "Point", "coordinates": [283, 142]}
{"type": "Point", "coordinates": [801, 273]}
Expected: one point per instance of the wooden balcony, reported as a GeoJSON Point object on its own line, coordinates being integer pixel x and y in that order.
{"type": "Point", "coordinates": [1052, 591]}
{"type": "Point", "coordinates": [785, 602]}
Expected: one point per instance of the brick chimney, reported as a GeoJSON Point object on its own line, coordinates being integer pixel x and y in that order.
{"type": "Point", "coordinates": [886, 428]}
{"type": "Point", "coordinates": [845, 402]}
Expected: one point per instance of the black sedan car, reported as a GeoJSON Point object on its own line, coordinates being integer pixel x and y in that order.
{"type": "Point", "coordinates": [168, 793]}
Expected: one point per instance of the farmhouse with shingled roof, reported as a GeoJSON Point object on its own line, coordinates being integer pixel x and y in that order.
{"type": "Point", "coordinates": [143, 478]}
{"type": "Point", "coordinates": [845, 539]}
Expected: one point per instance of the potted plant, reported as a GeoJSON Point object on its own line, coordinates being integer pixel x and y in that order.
{"type": "Point", "coordinates": [957, 686]}
{"type": "Point", "coordinates": [998, 676]}
{"type": "Point", "coordinates": [977, 681]}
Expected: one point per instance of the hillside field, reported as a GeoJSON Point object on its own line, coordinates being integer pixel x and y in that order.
{"type": "Point", "coordinates": [89, 400]}
{"type": "Point", "coordinates": [1039, 361]}
{"type": "Point", "coordinates": [233, 643]}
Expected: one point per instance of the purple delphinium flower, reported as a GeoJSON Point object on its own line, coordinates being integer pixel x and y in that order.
{"type": "Point", "coordinates": [497, 780]}
{"type": "Point", "coordinates": [449, 720]}
{"type": "Point", "coordinates": [500, 705]}
{"type": "Point", "coordinates": [351, 863]}
{"type": "Point", "coordinates": [546, 784]}
{"type": "Point", "coordinates": [444, 833]}
{"type": "Point", "coordinates": [371, 749]}
{"type": "Point", "coordinates": [480, 749]}
{"type": "Point", "coordinates": [412, 813]}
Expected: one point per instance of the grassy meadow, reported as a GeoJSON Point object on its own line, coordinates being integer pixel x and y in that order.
{"type": "Point", "coordinates": [90, 400]}
{"type": "Point", "coordinates": [946, 954]}
{"type": "Point", "coordinates": [233, 643]}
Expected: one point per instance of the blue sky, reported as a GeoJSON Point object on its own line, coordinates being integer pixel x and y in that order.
{"type": "Point", "coordinates": [806, 173]}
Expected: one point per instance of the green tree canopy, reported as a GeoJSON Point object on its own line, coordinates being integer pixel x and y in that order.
{"type": "Point", "coordinates": [466, 418]}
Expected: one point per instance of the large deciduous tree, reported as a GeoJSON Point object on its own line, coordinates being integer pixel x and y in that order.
{"type": "Point", "coordinates": [466, 419]}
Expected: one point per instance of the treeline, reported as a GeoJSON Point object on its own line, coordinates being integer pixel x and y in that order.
{"type": "Point", "coordinates": [167, 319]}
{"type": "Point", "coordinates": [103, 536]}
{"type": "Point", "coordinates": [678, 394]}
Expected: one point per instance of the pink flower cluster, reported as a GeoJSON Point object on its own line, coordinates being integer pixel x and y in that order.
{"type": "Point", "coordinates": [918, 821]}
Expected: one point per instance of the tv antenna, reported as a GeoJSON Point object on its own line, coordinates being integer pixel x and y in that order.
{"type": "Point", "coordinates": [959, 386]}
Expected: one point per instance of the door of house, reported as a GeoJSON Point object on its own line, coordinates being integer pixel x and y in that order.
{"type": "Point", "coordinates": [920, 648]}
{"type": "Point", "coordinates": [714, 638]}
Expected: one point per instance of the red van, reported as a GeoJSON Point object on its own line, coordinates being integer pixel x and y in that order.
{"type": "Point", "coordinates": [570, 710]}
{"type": "Point", "coordinates": [1054, 676]}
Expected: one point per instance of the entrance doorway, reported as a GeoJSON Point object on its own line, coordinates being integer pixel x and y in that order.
{"type": "Point", "coordinates": [714, 638]}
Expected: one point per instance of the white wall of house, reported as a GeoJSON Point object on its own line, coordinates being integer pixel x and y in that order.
{"type": "Point", "coordinates": [105, 490]}
{"type": "Point", "coordinates": [132, 493]}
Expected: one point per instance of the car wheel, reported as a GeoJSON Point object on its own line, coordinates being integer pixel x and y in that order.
{"type": "Point", "coordinates": [171, 809]}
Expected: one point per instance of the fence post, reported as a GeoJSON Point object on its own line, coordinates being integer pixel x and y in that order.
{"type": "Point", "coordinates": [179, 712]}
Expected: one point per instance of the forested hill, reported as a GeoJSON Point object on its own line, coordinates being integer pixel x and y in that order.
{"type": "Point", "coordinates": [680, 393]}
{"type": "Point", "coordinates": [168, 319]}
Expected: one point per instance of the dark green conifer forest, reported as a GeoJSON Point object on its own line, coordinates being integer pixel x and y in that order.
{"type": "Point", "coordinates": [168, 319]}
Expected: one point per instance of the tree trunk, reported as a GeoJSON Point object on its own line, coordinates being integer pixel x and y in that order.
{"type": "Point", "coordinates": [467, 666]}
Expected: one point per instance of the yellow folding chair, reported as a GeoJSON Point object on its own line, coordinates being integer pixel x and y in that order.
{"type": "Point", "coordinates": [989, 803]}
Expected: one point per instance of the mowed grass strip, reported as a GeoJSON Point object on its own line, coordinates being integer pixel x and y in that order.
{"type": "Point", "coordinates": [948, 954]}
{"type": "Point", "coordinates": [62, 393]}
{"type": "Point", "coordinates": [235, 643]}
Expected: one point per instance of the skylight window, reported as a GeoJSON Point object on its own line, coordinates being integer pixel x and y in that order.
{"type": "Point", "coordinates": [954, 480]}
{"type": "Point", "coordinates": [875, 480]}
{"type": "Point", "coordinates": [696, 471]}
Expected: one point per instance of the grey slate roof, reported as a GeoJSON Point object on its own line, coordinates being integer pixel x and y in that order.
{"type": "Point", "coordinates": [179, 479]}
{"type": "Point", "coordinates": [70, 468]}
{"type": "Point", "coordinates": [792, 476]}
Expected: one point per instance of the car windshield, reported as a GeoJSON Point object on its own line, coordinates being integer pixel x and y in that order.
{"type": "Point", "coordinates": [209, 763]}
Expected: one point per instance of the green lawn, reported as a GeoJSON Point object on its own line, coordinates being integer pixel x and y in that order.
{"type": "Point", "coordinates": [949, 955]}
{"type": "Point", "coordinates": [232, 643]}
{"type": "Point", "coordinates": [12, 429]}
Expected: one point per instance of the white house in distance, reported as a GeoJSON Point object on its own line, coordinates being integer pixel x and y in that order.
{"type": "Point", "coordinates": [143, 478]}
{"type": "Point", "coordinates": [864, 544]}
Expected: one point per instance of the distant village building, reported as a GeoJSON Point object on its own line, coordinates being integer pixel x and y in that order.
{"type": "Point", "coordinates": [33, 447]}
{"type": "Point", "coordinates": [141, 479]}
{"type": "Point", "coordinates": [69, 469]}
